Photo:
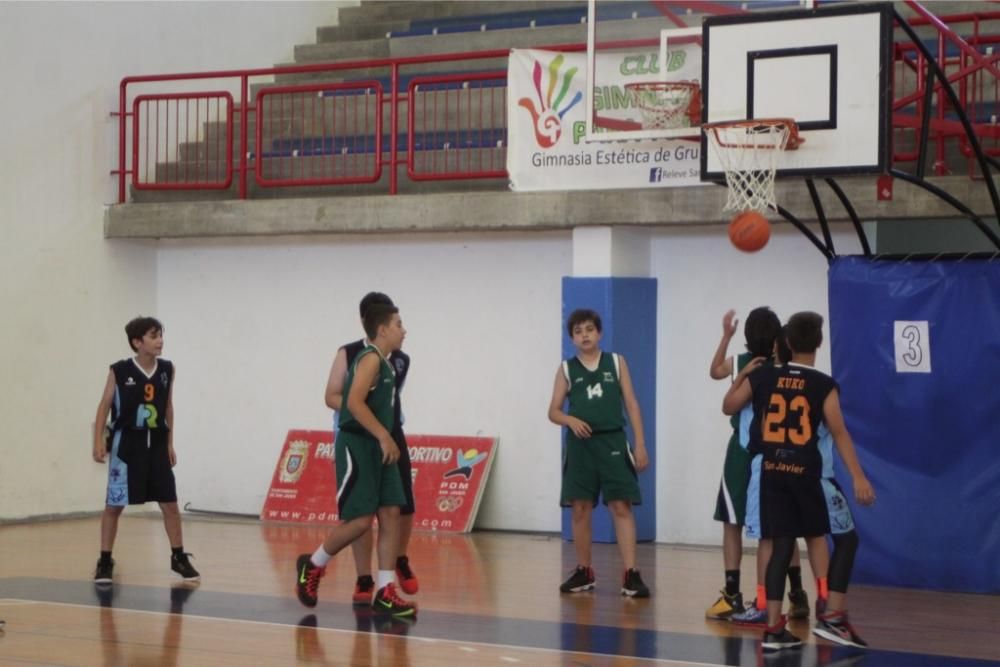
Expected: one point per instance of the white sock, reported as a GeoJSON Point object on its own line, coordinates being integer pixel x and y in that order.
{"type": "Point", "coordinates": [320, 558]}
{"type": "Point", "coordinates": [385, 577]}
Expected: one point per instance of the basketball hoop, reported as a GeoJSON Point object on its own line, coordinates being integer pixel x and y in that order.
{"type": "Point", "coordinates": [748, 153]}
{"type": "Point", "coordinates": [664, 104]}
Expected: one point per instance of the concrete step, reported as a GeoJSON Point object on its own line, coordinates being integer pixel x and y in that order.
{"type": "Point", "coordinates": [412, 10]}
{"type": "Point", "coordinates": [358, 31]}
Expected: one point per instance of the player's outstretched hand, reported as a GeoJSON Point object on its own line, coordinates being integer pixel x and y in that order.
{"type": "Point", "coordinates": [390, 452]}
{"type": "Point", "coordinates": [580, 428]}
{"type": "Point", "coordinates": [729, 323]}
{"type": "Point", "coordinates": [863, 491]}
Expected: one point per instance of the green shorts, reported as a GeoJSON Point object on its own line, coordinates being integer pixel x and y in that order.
{"type": "Point", "coordinates": [599, 465]}
{"type": "Point", "coordinates": [364, 483]}
{"type": "Point", "coordinates": [731, 503]}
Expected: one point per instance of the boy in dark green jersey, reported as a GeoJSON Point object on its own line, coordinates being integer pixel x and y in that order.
{"type": "Point", "coordinates": [598, 460]}
{"type": "Point", "coordinates": [368, 481]}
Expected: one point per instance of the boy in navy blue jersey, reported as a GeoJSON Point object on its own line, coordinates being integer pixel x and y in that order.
{"type": "Point", "coordinates": [139, 395]}
{"type": "Point", "coordinates": [793, 405]}
{"type": "Point", "coordinates": [761, 330]}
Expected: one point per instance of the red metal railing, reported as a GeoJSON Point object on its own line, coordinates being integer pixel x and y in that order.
{"type": "Point", "coordinates": [131, 145]}
{"type": "Point", "coordinates": [298, 141]}
{"type": "Point", "coordinates": [973, 75]}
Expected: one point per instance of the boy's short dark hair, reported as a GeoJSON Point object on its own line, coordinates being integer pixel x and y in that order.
{"type": "Point", "coordinates": [761, 329]}
{"type": "Point", "coordinates": [781, 343]}
{"type": "Point", "coordinates": [804, 332]}
{"type": "Point", "coordinates": [581, 315]}
{"type": "Point", "coordinates": [370, 299]}
{"type": "Point", "coordinates": [139, 327]}
{"type": "Point", "coordinates": [375, 316]}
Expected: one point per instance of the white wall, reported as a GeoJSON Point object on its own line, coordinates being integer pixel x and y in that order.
{"type": "Point", "coordinates": [65, 292]}
{"type": "Point", "coordinates": [253, 327]}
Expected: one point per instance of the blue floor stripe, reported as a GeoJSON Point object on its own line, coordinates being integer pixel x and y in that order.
{"type": "Point", "coordinates": [551, 635]}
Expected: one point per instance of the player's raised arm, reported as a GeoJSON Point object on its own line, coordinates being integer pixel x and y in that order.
{"type": "Point", "coordinates": [100, 447]}
{"type": "Point", "coordinates": [634, 416]}
{"type": "Point", "coordinates": [834, 418]}
{"type": "Point", "coordinates": [334, 394]}
{"type": "Point", "coordinates": [722, 365]}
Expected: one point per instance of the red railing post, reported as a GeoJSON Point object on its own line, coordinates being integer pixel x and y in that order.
{"type": "Point", "coordinates": [244, 148]}
{"type": "Point", "coordinates": [121, 141]}
{"type": "Point", "coordinates": [394, 130]}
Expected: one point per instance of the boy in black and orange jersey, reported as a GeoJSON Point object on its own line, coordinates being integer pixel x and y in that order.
{"type": "Point", "coordinates": [792, 404]}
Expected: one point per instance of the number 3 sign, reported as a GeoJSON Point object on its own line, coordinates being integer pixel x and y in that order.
{"type": "Point", "coordinates": [913, 346]}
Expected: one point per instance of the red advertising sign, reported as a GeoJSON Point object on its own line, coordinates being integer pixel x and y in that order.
{"type": "Point", "coordinates": [449, 476]}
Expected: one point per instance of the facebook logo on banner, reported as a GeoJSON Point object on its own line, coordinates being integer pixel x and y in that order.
{"type": "Point", "coordinates": [656, 174]}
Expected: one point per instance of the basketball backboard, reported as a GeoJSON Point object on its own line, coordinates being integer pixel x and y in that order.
{"type": "Point", "coordinates": [644, 64]}
{"type": "Point", "coordinates": [644, 68]}
{"type": "Point", "coordinates": [827, 68]}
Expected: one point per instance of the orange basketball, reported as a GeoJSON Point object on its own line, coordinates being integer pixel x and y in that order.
{"type": "Point", "coordinates": [749, 231]}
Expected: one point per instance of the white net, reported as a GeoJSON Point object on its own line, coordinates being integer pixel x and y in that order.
{"type": "Point", "coordinates": [663, 104]}
{"type": "Point", "coordinates": [748, 153]}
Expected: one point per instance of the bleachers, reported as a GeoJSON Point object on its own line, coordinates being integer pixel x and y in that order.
{"type": "Point", "coordinates": [379, 30]}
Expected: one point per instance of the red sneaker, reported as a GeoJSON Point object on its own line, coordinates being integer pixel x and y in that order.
{"type": "Point", "coordinates": [364, 588]}
{"type": "Point", "coordinates": [407, 580]}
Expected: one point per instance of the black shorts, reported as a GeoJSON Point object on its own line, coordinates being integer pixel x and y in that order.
{"type": "Point", "coordinates": [405, 470]}
{"type": "Point", "coordinates": [139, 469]}
{"type": "Point", "coordinates": [792, 505]}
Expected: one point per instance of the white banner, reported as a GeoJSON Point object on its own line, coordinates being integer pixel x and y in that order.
{"type": "Point", "coordinates": [546, 121]}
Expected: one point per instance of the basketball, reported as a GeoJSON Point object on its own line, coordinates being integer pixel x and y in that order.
{"type": "Point", "coordinates": [749, 231]}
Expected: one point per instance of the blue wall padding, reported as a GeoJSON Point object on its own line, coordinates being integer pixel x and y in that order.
{"type": "Point", "coordinates": [929, 442]}
{"type": "Point", "coordinates": [627, 307]}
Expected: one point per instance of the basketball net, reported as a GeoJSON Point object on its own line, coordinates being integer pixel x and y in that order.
{"type": "Point", "coordinates": [663, 104]}
{"type": "Point", "coordinates": [748, 153]}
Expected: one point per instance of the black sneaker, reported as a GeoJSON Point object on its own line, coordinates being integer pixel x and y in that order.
{"type": "Point", "coordinates": [307, 580]}
{"type": "Point", "coordinates": [834, 626]}
{"type": "Point", "coordinates": [182, 566]}
{"type": "Point", "coordinates": [632, 585]}
{"type": "Point", "coordinates": [104, 571]}
{"type": "Point", "coordinates": [798, 604]}
{"type": "Point", "coordinates": [582, 579]}
{"type": "Point", "coordinates": [781, 638]}
{"type": "Point", "coordinates": [387, 601]}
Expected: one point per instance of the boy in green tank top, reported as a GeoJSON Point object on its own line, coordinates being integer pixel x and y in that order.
{"type": "Point", "coordinates": [598, 460]}
{"type": "Point", "coordinates": [368, 482]}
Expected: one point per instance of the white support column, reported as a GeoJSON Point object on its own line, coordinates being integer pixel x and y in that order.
{"type": "Point", "coordinates": [610, 252]}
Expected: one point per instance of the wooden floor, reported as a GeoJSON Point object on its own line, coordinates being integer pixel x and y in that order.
{"type": "Point", "coordinates": [485, 599]}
